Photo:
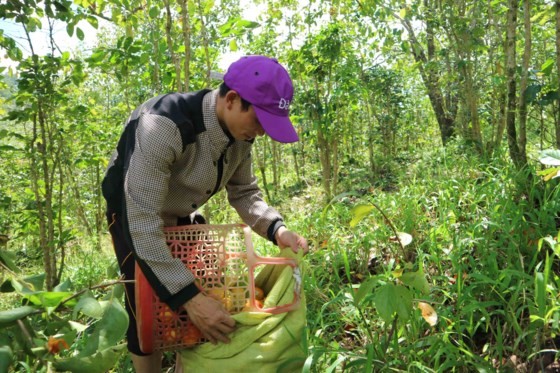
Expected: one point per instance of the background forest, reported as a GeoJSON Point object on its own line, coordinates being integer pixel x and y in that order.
{"type": "Point", "coordinates": [424, 178]}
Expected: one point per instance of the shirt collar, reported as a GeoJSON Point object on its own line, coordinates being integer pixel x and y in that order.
{"type": "Point", "coordinates": [218, 137]}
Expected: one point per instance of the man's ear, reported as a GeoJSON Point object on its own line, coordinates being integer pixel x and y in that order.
{"type": "Point", "coordinates": [231, 96]}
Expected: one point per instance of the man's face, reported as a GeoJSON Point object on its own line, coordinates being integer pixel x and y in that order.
{"type": "Point", "coordinates": [243, 125]}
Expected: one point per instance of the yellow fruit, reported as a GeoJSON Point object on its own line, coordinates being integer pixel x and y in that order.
{"type": "Point", "coordinates": [193, 336]}
{"type": "Point", "coordinates": [259, 293]}
{"type": "Point", "coordinates": [170, 336]}
{"type": "Point", "coordinates": [165, 315]}
{"type": "Point", "coordinates": [249, 308]}
{"type": "Point", "coordinates": [222, 296]}
{"type": "Point", "coordinates": [216, 293]}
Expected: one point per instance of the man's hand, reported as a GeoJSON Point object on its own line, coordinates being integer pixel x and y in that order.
{"type": "Point", "coordinates": [286, 238]}
{"type": "Point", "coordinates": [210, 317]}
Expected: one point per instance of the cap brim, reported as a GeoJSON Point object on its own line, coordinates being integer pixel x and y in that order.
{"type": "Point", "coordinates": [278, 128]}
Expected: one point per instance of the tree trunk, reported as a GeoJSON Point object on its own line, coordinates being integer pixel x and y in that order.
{"type": "Point", "coordinates": [261, 162]}
{"type": "Point", "coordinates": [430, 77]}
{"type": "Point", "coordinates": [205, 43]}
{"type": "Point", "coordinates": [186, 27]}
{"type": "Point", "coordinates": [275, 162]}
{"type": "Point", "coordinates": [325, 157]}
{"type": "Point", "coordinates": [156, 82]}
{"type": "Point", "coordinates": [498, 95]}
{"type": "Point", "coordinates": [558, 69]}
{"type": "Point", "coordinates": [170, 45]}
{"type": "Point", "coordinates": [523, 84]}
{"type": "Point", "coordinates": [511, 24]}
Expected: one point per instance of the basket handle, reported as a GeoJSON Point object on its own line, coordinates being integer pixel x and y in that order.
{"type": "Point", "coordinates": [253, 260]}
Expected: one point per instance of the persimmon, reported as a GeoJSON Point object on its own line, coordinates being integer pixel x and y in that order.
{"type": "Point", "coordinates": [55, 345]}
{"type": "Point", "coordinates": [228, 303]}
{"type": "Point", "coordinates": [170, 336]}
{"type": "Point", "coordinates": [238, 297]}
{"type": "Point", "coordinates": [165, 315]}
{"type": "Point", "coordinates": [249, 308]}
{"type": "Point", "coordinates": [216, 293]}
{"type": "Point", "coordinates": [222, 296]}
{"type": "Point", "coordinates": [259, 293]}
{"type": "Point", "coordinates": [192, 336]}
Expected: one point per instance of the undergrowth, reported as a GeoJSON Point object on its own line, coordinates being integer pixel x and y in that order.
{"type": "Point", "coordinates": [478, 232]}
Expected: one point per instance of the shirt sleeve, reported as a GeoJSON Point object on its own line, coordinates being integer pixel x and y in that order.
{"type": "Point", "coordinates": [158, 145]}
{"type": "Point", "coordinates": [246, 197]}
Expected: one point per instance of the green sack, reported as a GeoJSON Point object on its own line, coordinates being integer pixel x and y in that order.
{"type": "Point", "coordinates": [262, 342]}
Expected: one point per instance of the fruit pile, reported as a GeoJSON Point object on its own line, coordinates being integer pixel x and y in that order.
{"type": "Point", "coordinates": [236, 299]}
{"type": "Point", "coordinates": [176, 329]}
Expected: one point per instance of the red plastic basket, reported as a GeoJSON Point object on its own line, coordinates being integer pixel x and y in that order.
{"type": "Point", "coordinates": [223, 260]}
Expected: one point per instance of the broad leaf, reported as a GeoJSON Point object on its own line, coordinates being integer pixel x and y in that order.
{"type": "Point", "coordinates": [80, 33]}
{"type": "Point", "coordinates": [550, 157]}
{"type": "Point", "coordinates": [549, 173]}
{"type": "Point", "coordinates": [547, 66]}
{"type": "Point", "coordinates": [108, 331]}
{"type": "Point", "coordinates": [393, 299]}
{"type": "Point", "coordinates": [89, 306]}
{"type": "Point", "coordinates": [359, 212]}
{"type": "Point", "coordinates": [7, 258]}
{"type": "Point", "coordinates": [49, 299]}
{"type": "Point", "coordinates": [99, 362]}
{"type": "Point", "coordinates": [416, 280]}
{"type": "Point", "coordinates": [6, 357]}
{"type": "Point", "coordinates": [10, 316]}
{"type": "Point", "coordinates": [365, 288]}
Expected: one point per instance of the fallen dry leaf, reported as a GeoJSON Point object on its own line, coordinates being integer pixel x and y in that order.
{"type": "Point", "coordinates": [428, 313]}
{"type": "Point", "coordinates": [404, 238]}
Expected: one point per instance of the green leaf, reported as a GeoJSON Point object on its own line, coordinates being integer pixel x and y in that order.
{"type": "Point", "coordinates": [89, 306]}
{"type": "Point", "coordinates": [6, 358]}
{"type": "Point", "coordinates": [365, 288]}
{"type": "Point", "coordinates": [9, 316]}
{"type": "Point", "coordinates": [154, 12]}
{"type": "Point", "coordinates": [547, 66]}
{"type": "Point", "coordinates": [550, 157]}
{"type": "Point", "coordinates": [70, 29]}
{"type": "Point", "coordinates": [64, 286]}
{"type": "Point", "coordinates": [80, 33]}
{"type": "Point", "coordinates": [7, 258]}
{"type": "Point", "coordinates": [540, 294]}
{"type": "Point", "coordinates": [79, 328]}
{"type": "Point", "coordinates": [97, 56]}
{"type": "Point", "coordinates": [358, 214]}
{"type": "Point", "coordinates": [109, 330]}
{"type": "Point", "coordinates": [393, 299]}
{"type": "Point", "coordinates": [336, 199]}
{"type": "Point", "coordinates": [99, 362]}
{"type": "Point", "coordinates": [35, 282]}
{"type": "Point", "coordinates": [93, 21]}
{"type": "Point", "coordinates": [549, 173]}
{"type": "Point", "coordinates": [48, 299]}
{"type": "Point", "coordinates": [233, 45]}
{"type": "Point", "coordinates": [416, 280]}
{"type": "Point", "coordinates": [532, 92]}
{"type": "Point", "coordinates": [245, 24]}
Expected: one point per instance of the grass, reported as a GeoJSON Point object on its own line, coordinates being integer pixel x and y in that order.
{"type": "Point", "coordinates": [479, 244]}
{"type": "Point", "coordinates": [476, 230]}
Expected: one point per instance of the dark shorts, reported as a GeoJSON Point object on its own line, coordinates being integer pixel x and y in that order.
{"type": "Point", "coordinates": [126, 260]}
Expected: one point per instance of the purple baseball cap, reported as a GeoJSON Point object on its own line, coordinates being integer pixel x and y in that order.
{"type": "Point", "coordinates": [265, 84]}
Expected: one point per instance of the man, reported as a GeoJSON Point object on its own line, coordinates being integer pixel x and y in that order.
{"type": "Point", "coordinates": [177, 151]}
